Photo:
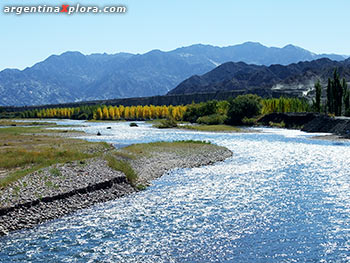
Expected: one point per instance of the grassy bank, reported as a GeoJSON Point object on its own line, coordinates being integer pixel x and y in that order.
{"type": "Point", "coordinates": [20, 122]}
{"type": "Point", "coordinates": [55, 169]}
{"type": "Point", "coordinates": [24, 150]}
{"type": "Point", "coordinates": [211, 128]}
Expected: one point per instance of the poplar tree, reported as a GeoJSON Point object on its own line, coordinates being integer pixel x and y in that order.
{"type": "Point", "coordinates": [330, 108]}
{"type": "Point", "coordinates": [318, 89]}
{"type": "Point", "coordinates": [346, 97]}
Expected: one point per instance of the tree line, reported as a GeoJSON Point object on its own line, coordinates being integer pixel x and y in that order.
{"type": "Point", "coordinates": [337, 97]}
{"type": "Point", "coordinates": [109, 112]}
{"type": "Point", "coordinates": [231, 111]}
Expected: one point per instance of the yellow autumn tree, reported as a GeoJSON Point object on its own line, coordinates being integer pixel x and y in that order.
{"type": "Point", "coordinates": [127, 113]}
{"type": "Point", "coordinates": [105, 113]}
{"type": "Point", "coordinates": [121, 111]}
{"type": "Point", "coordinates": [153, 114]}
{"type": "Point", "coordinates": [132, 112]}
{"type": "Point", "coordinates": [139, 112]}
{"type": "Point", "coordinates": [116, 113]}
{"type": "Point", "coordinates": [165, 111]}
{"type": "Point", "coordinates": [111, 113]}
{"type": "Point", "coordinates": [146, 114]}
{"type": "Point", "coordinates": [99, 114]}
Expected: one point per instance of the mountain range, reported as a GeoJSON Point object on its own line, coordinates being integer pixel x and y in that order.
{"type": "Point", "coordinates": [72, 76]}
{"type": "Point", "coordinates": [296, 77]}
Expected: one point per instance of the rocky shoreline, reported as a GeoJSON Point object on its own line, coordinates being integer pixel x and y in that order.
{"type": "Point", "coordinates": [311, 122]}
{"type": "Point", "coordinates": [62, 189]}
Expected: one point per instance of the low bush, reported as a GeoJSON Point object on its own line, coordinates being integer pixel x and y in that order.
{"type": "Point", "coordinates": [167, 123]}
{"type": "Point", "coordinates": [249, 121]}
{"type": "Point", "coordinates": [277, 125]}
{"type": "Point", "coordinates": [124, 167]}
{"type": "Point", "coordinates": [213, 119]}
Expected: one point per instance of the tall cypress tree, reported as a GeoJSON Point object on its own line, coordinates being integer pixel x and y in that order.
{"type": "Point", "coordinates": [335, 95]}
{"type": "Point", "coordinates": [318, 88]}
{"type": "Point", "coordinates": [338, 92]}
{"type": "Point", "coordinates": [346, 97]}
{"type": "Point", "coordinates": [330, 108]}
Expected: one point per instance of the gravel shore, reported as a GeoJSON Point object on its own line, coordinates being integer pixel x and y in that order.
{"type": "Point", "coordinates": [62, 189]}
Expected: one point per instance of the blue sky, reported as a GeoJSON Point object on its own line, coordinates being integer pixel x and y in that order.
{"type": "Point", "coordinates": [321, 26]}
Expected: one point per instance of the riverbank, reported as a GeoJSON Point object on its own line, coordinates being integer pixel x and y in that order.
{"type": "Point", "coordinates": [339, 127]}
{"type": "Point", "coordinates": [64, 187]}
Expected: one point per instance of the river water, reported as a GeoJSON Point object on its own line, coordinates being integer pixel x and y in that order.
{"type": "Point", "coordinates": [281, 197]}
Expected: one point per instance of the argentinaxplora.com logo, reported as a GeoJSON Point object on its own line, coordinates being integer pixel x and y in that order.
{"type": "Point", "coordinates": [64, 9]}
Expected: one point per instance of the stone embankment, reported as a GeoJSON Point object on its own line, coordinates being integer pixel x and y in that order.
{"type": "Point", "coordinates": [310, 122]}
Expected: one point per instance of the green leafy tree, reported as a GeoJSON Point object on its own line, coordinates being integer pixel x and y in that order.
{"type": "Point", "coordinates": [243, 106]}
{"type": "Point", "coordinates": [318, 89]}
{"type": "Point", "coordinates": [335, 94]}
{"type": "Point", "coordinates": [330, 107]}
{"type": "Point", "coordinates": [346, 98]}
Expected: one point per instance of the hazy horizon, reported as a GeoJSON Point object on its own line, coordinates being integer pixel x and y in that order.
{"type": "Point", "coordinates": [320, 27]}
{"type": "Point", "coordinates": [135, 53]}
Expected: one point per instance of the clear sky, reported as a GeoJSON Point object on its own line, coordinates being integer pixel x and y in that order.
{"type": "Point", "coordinates": [321, 26]}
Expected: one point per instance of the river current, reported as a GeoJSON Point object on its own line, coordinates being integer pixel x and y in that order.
{"type": "Point", "coordinates": [281, 197]}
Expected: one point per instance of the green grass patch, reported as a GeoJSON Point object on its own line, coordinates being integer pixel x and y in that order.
{"type": "Point", "coordinates": [8, 122]}
{"type": "Point", "coordinates": [124, 167]}
{"type": "Point", "coordinates": [211, 128]}
{"type": "Point", "coordinates": [124, 155]}
{"type": "Point", "coordinates": [141, 150]}
{"type": "Point", "coordinates": [24, 150]}
{"type": "Point", "coordinates": [166, 123]}
{"type": "Point", "coordinates": [277, 124]}
{"type": "Point", "coordinates": [21, 157]}
{"type": "Point", "coordinates": [55, 172]}
{"type": "Point", "coordinates": [193, 141]}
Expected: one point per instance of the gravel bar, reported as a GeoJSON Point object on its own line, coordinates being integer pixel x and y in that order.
{"type": "Point", "coordinates": [62, 189]}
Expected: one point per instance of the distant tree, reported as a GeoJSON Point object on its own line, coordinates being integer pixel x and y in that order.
{"type": "Point", "coordinates": [346, 98]}
{"type": "Point", "coordinates": [335, 94]}
{"type": "Point", "coordinates": [338, 92]}
{"type": "Point", "coordinates": [243, 106]}
{"type": "Point", "coordinates": [121, 111]}
{"type": "Point", "coordinates": [318, 89]}
{"type": "Point", "coordinates": [127, 113]}
{"type": "Point", "coordinates": [132, 112]}
{"type": "Point", "coordinates": [111, 113]}
{"type": "Point", "coordinates": [330, 100]}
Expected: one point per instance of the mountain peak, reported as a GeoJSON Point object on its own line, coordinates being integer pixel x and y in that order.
{"type": "Point", "coordinates": [253, 44]}
{"type": "Point", "coordinates": [72, 76]}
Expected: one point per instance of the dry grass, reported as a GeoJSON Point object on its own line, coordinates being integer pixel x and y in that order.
{"type": "Point", "coordinates": [26, 149]}
{"type": "Point", "coordinates": [180, 147]}
{"type": "Point", "coordinates": [6, 122]}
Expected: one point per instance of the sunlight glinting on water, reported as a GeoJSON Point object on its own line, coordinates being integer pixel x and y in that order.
{"type": "Point", "coordinates": [281, 197]}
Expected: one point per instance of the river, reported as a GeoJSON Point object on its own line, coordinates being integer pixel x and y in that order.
{"type": "Point", "coordinates": [281, 197]}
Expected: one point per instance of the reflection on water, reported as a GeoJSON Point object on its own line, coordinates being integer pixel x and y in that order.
{"type": "Point", "coordinates": [281, 198]}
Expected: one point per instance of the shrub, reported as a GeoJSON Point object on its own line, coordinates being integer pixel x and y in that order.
{"type": "Point", "coordinates": [347, 113]}
{"type": "Point", "coordinates": [277, 125]}
{"type": "Point", "coordinates": [212, 119]}
{"type": "Point", "coordinates": [194, 111]}
{"type": "Point", "coordinates": [167, 123]}
{"type": "Point", "coordinates": [124, 167]}
{"type": "Point", "coordinates": [243, 106]}
{"type": "Point", "coordinates": [249, 121]}
{"type": "Point", "coordinates": [55, 172]}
